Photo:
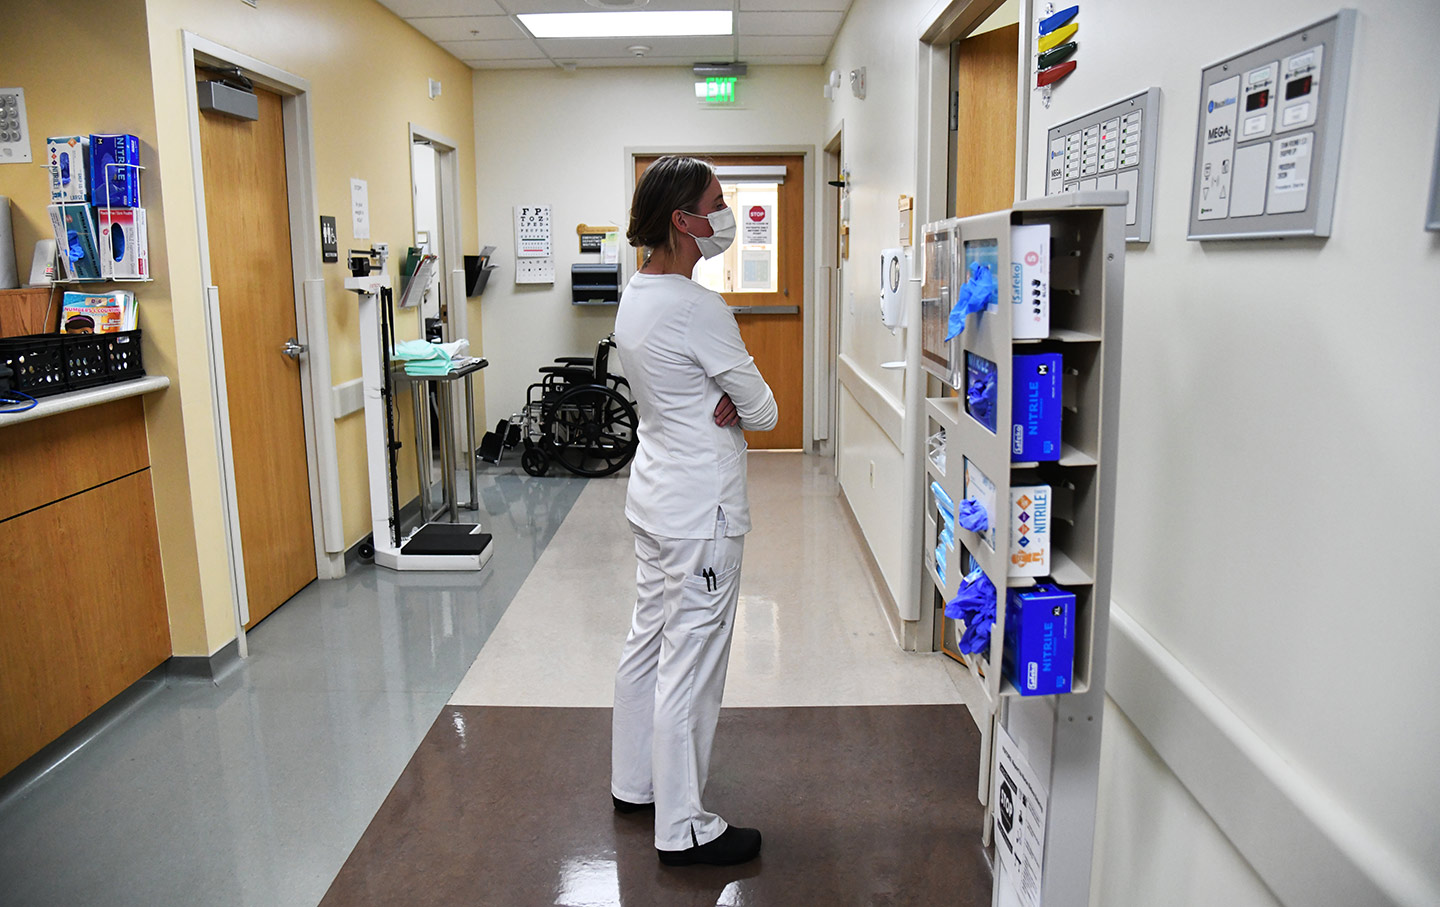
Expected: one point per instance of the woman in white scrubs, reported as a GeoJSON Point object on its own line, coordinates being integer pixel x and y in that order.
{"type": "Point", "coordinates": [695, 389]}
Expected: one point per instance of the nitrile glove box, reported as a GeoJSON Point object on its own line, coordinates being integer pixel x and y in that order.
{"type": "Point", "coordinates": [1030, 281]}
{"type": "Point", "coordinates": [1040, 639]}
{"type": "Point", "coordinates": [68, 157]}
{"type": "Point", "coordinates": [1029, 530]}
{"type": "Point", "coordinates": [75, 240]}
{"type": "Point", "coordinates": [124, 245]}
{"type": "Point", "coordinates": [1035, 405]}
{"type": "Point", "coordinates": [114, 171]}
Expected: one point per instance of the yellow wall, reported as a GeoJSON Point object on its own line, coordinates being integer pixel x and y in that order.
{"type": "Point", "coordinates": [368, 73]}
{"type": "Point", "coordinates": [30, 45]}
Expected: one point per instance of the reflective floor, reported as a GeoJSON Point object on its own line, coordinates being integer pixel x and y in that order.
{"type": "Point", "coordinates": [444, 739]}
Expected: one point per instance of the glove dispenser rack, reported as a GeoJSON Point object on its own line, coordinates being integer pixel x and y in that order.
{"type": "Point", "coordinates": [1058, 734]}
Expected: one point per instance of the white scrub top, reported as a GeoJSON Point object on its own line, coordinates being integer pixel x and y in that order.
{"type": "Point", "coordinates": [681, 351]}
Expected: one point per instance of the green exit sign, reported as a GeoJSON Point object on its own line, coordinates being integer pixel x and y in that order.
{"type": "Point", "coordinates": [716, 90]}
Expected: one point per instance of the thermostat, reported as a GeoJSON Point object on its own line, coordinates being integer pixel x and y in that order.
{"type": "Point", "coordinates": [1267, 149]}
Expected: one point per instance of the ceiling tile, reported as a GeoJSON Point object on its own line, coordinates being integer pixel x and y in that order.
{"type": "Point", "coordinates": [519, 49]}
{"type": "Point", "coordinates": [467, 28]}
{"type": "Point", "coordinates": [590, 48]}
{"type": "Point", "coordinates": [790, 23]}
{"type": "Point", "coordinates": [408, 9]}
{"type": "Point", "coordinates": [509, 64]}
{"type": "Point", "coordinates": [793, 45]}
{"type": "Point", "coordinates": [781, 6]}
{"type": "Point", "coordinates": [784, 60]}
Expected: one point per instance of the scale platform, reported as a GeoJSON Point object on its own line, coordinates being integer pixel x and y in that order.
{"type": "Point", "coordinates": [440, 546]}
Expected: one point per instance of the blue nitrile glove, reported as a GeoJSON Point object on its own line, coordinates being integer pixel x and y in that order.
{"type": "Point", "coordinates": [77, 251]}
{"type": "Point", "coordinates": [980, 395]}
{"type": "Point", "coordinates": [974, 604]}
{"type": "Point", "coordinates": [972, 515]}
{"type": "Point", "coordinates": [975, 294]}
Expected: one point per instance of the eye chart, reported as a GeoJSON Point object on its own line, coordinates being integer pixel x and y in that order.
{"type": "Point", "coordinates": [533, 261]}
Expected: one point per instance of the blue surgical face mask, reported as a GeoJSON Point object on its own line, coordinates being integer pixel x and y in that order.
{"type": "Point", "coordinates": [722, 222]}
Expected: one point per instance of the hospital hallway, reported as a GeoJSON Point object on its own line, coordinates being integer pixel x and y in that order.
{"type": "Point", "coordinates": [428, 738]}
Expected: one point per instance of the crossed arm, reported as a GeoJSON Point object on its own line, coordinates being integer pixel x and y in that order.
{"type": "Point", "coordinates": [747, 400]}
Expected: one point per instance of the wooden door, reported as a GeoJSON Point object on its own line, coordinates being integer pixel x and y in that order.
{"type": "Point", "coordinates": [777, 341]}
{"type": "Point", "coordinates": [987, 67]}
{"type": "Point", "coordinates": [248, 218]}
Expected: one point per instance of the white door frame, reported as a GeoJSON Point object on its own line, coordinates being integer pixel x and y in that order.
{"type": "Point", "coordinates": [311, 324]}
{"type": "Point", "coordinates": [808, 300]}
{"type": "Point", "coordinates": [452, 262]}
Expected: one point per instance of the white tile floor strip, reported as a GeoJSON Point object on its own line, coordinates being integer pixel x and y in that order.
{"type": "Point", "coordinates": [810, 630]}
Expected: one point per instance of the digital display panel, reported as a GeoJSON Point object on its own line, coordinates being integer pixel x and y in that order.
{"type": "Point", "coordinates": [1256, 100]}
{"type": "Point", "coordinates": [1297, 88]}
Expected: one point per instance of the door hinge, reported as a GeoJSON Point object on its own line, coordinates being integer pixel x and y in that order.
{"type": "Point", "coordinates": [954, 111]}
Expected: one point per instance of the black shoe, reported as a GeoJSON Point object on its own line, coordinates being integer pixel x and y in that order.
{"type": "Point", "coordinates": [735, 845]}
{"type": "Point", "coordinates": [622, 806]}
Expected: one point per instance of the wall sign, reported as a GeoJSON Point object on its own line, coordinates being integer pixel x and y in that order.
{"type": "Point", "coordinates": [329, 245]}
{"type": "Point", "coordinates": [360, 208]}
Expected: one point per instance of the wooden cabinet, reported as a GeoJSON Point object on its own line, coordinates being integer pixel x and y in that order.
{"type": "Point", "coordinates": [82, 598]}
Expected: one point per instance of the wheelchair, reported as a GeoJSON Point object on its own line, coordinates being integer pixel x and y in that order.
{"type": "Point", "coordinates": [581, 416]}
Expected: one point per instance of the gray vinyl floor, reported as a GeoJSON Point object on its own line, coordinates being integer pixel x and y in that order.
{"type": "Point", "coordinates": [257, 790]}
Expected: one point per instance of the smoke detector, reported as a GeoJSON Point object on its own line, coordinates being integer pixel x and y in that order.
{"type": "Point", "coordinates": [638, 50]}
{"type": "Point", "coordinates": [618, 4]}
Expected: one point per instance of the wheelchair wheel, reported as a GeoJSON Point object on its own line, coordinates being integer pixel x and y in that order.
{"type": "Point", "coordinates": [591, 430]}
{"type": "Point", "coordinates": [535, 461]}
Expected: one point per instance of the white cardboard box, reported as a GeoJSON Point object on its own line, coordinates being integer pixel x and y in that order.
{"type": "Point", "coordinates": [124, 243]}
{"type": "Point", "coordinates": [1030, 530]}
{"type": "Point", "coordinates": [68, 159]}
{"type": "Point", "coordinates": [1030, 281]}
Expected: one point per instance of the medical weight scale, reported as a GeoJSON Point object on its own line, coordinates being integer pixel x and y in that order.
{"type": "Point", "coordinates": [432, 546]}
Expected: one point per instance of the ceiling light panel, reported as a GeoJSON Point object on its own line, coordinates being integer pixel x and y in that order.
{"type": "Point", "coordinates": [562, 6]}
{"type": "Point", "coordinates": [642, 24]}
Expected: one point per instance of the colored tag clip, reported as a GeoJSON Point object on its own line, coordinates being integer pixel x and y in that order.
{"type": "Point", "coordinates": [1053, 74]}
{"type": "Point", "coordinates": [1058, 37]}
{"type": "Point", "coordinates": [1059, 55]}
{"type": "Point", "coordinates": [1055, 20]}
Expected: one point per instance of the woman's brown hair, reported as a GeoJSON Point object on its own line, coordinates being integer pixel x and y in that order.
{"type": "Point", "coordinates": [672, 182]}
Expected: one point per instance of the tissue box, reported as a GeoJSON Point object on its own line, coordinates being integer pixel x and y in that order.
{"type": "Point", "coordinates": [111, 185]}
{"type": "Point", "coordinates": [1029, 530]}
{"type": "Point", "coordinates": [1030, 281]}
{"type": "Point", "coordinates": [74, 219]}
{"type": "Point", "coordinates": [1035, 407]}
{"type": "Point", "coordinates": [124, 245]}
{"type": "Point", "coordinates": [68, 157]}
{"type": "Point", "coordinates": [1040, 639]}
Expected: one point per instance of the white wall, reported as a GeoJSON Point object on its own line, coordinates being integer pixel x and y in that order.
{"type": "Point", "coordinates": [559, 138]}
{"type": "Point", "coordinates": [1269, 392]}
{"type": "Point", "coordinates": [879, 150]}
{"type": "Point", "coordinates": [1272, 720]}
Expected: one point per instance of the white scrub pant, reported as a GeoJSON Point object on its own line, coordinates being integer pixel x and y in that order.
{"type": "Point", "coordinates": [671, 679]}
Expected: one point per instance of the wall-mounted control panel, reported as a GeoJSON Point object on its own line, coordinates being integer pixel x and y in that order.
{"type": "Point", "coordinates": [1267, 151]}
{"type": "Point", "coordinates": [1110, 148]}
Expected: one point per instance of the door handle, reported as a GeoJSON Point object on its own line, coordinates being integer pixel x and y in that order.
{"type": "Point", "coordinates": [293, 348]}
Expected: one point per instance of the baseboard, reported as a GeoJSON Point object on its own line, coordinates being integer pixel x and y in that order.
{"type": "Point", "coordinates": [210, 669]}
{"type": "Point", "coordinates": [902, 631]}
{"type": "Point", "coordinates": [21, 779]}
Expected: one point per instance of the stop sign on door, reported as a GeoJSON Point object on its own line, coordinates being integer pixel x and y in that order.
{"type": "Point", "coordinates": [757, 213]}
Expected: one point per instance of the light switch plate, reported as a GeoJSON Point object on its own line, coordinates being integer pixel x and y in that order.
{"type": "Point", "coordinates": [14, 128]}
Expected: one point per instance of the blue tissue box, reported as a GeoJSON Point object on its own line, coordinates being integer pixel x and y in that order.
{"type": "Point", "coordinates": [1035, 407]}
{"type": "Point", "coordinates": [1040, 639]}
{"type": "Point", "coordinates": [107, 175]}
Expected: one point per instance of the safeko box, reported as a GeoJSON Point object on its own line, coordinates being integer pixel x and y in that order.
{"type": "Point", "coordinates": [1040, 639]}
